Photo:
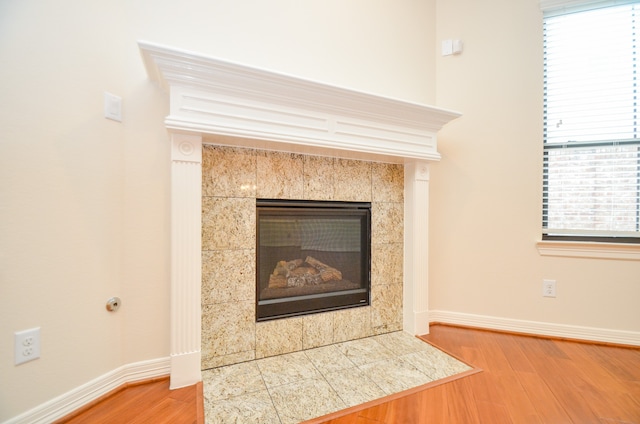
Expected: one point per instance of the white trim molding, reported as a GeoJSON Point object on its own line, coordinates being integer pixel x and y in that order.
{"type": "Point", "coordinates": [590, 250]}
{"type": "Point", "coordinates": [69, 402]}
{"type": "Point", "coordinates": [576, 332]}
{"type": "Point", "coordinates": [213, 96]}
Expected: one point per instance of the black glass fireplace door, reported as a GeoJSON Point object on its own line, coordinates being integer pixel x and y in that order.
{"type": "Point", "coordinates": [311, 257]}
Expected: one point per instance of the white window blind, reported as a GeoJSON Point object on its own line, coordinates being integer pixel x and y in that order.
{"type": "Point", "coordinates": [591, 144]}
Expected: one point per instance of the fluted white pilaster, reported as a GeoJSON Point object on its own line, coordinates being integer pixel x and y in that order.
{"type": "Point", "coordinates": [416, 248]}
{"type": "Point", "coordinates": [186, 200]}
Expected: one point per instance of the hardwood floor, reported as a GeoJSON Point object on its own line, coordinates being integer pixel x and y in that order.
{"type": "Point", "coordinates": [524, 380]}
{"type": "Point", "coordinates": [147, 403]}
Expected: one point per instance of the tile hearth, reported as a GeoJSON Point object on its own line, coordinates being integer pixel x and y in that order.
{"type": "Point", "coordinates": [302, 385]}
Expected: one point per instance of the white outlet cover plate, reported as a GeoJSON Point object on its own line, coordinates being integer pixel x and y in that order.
{"type": "Point", "coordinates": [27, 345]}
{"type": "Point", "coordinates": [549, 288]}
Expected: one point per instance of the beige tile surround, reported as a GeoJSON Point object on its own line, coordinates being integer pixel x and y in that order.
{"type": "Point", "coordinates": [232, 178]}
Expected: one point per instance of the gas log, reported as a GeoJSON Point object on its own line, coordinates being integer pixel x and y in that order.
{"type": "Point", "coordinates": [297, 273]}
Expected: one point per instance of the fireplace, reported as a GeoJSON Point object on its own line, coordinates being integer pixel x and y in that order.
{"type": "Point", "coordinates": [244, 106]}
{"type": "Point", "coordinates": [312, 256]}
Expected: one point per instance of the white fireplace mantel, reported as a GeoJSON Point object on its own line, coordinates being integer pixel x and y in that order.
{"type": "Point", "coordinates": [219, 102]}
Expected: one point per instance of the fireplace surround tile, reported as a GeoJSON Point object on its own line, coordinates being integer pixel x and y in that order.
{"type": "Point", "coordinates": [228, 172]}
{"type": "Point", "coordinates": [229, 331]}
{"type": "Point", "coordinates": [388, 182]}
{"type": "Point", "coordinates": [384, 329]}
{"type": "Point", "coordinates": [228, 223]}
{"type": "Point", "coordinates": [279, 175]}
{"type": "Point", "coordinates": [386, 263]}
{"type": "Point", "coordinates": [386, 305]}
{"type": "Point", "coordinates": [228, 276]}
{"type": "Point", "coordinates": [319, 177]}
{"type": "Point", "coordinates": [278, 337]}
{"type": "Point", "coordinates": [234, 327]}
{"type": "Point", "coordinates": [387, 222]}
{"type": "Point", "coordinates": [353, 180]}
{"type": "Point", "coordinates": [351, 324]}
{"type": "Point", "coordinates": [317, 330]}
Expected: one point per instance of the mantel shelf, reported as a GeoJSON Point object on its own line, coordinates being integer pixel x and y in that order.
{"type": "Point", "coordinates": [252, 107]}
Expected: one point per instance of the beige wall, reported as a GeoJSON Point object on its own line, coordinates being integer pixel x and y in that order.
{"type": "Point", "coordinates": [486, 192]}
{"type": "Point", "coordinates": [84, 200]}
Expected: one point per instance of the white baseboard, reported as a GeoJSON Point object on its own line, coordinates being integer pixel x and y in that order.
{"type": "Point", "coordinates": [537, 328]}
{"type": "Point", "coordinates": [68, 402]}
{"type": "Point", "coordinates": [185, 369]}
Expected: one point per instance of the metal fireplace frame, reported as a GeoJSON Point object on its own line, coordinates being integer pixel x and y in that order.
{"type": "Point", "coordinates": [320, 302]}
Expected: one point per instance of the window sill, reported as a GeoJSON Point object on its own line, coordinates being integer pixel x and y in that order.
{"type": "Point", "coordinates": [592, 250]}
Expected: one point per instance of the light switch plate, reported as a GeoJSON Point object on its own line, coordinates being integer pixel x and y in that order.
{"type": "Point", "coordinates": [447, 47]}
{"type": "Point", "coordinates": [112, 107]}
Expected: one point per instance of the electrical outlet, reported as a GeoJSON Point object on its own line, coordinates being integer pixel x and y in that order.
{"type": "Point", "coordinates": [27, 345]}
{"type": "Point", "coordinates": [549, 288]}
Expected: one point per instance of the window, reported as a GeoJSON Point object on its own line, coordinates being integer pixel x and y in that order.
{"type": "Point", "coordinates": [591, 147]}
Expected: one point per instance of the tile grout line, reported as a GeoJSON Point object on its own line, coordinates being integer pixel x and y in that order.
{"type": "Point", "coordinates": [346, 405]}
{"type": "Point", "coordinates": [268, 391]}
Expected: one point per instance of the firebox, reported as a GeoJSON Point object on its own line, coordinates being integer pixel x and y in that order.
{"type": "Point", "coordinates": [311, 256]}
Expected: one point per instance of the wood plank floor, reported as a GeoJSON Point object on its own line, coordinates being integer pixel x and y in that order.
{"type": "Point", "coordinates": [147, 403]}
{"type": "Point", "coordinates": [524, 380]}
